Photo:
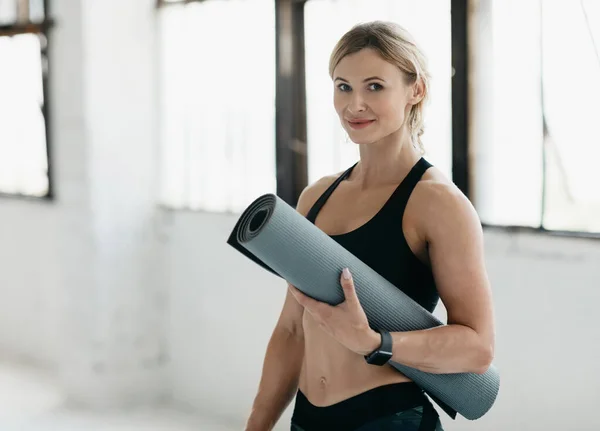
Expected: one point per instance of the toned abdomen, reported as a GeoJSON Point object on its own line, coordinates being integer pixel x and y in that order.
{"type": "Point", "coordinates": [332, 373]}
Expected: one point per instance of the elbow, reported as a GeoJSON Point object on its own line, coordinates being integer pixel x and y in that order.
{"type": "Point", "coordinates": [485, 356]}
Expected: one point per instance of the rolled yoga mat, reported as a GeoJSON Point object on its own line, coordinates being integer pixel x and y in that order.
{"type": "Point", "coordinates": [281, 240]}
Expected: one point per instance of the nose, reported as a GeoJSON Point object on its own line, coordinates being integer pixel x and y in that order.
{"type": "Point", "coordinates": [356, 104]}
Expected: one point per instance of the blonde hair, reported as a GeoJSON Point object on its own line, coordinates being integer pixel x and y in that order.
{"type": "Point", "coordinates": [395, 45]}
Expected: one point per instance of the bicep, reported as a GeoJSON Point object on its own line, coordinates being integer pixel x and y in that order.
{"type": "Point", "coordinates": [456, 254]}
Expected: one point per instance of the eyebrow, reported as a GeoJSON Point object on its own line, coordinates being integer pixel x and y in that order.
{"type": "Point", "coordinates": [364, 80]}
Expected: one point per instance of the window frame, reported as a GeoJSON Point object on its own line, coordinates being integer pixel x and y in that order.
{"type": "Point", "coordinates": [461, 174]}
{"type": "Point", "coordinates": [42, 28]}
{"type": "Point", "coordinates": [464, 18]}
{"type": "Point", "coordinates": [291, 127]}
{"type": "Point", "coordinates": [291, 164]}
{"type": "Point", "coordinates": [290, 101]}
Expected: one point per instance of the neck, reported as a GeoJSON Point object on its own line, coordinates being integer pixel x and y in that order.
{"type": "Point", "coordinates": [385, 162]}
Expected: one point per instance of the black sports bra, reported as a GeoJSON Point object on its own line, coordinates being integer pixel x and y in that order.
{"type": "Point", "coordinates": [380, 242]}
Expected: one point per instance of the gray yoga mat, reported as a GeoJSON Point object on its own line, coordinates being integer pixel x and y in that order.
{"type": "Point", "coordinates": [278, 238]}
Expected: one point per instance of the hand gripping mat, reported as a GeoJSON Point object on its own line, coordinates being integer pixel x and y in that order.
{"type": "Point", "coordinates": [281, 240]}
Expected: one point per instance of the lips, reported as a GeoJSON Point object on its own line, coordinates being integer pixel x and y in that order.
{"type": "Point", "coordinates": [360, 123]}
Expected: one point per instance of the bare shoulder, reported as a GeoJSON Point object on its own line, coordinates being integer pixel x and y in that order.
{"type": "Point", "coordinates": [443, 207]}
{"type": "Point", "coordinates": [313, 191]}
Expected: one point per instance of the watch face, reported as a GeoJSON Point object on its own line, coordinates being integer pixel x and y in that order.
{"type": "Point", "coordinates": [379, 357]}
{"type": "Point", "coordinates": [383, 354]}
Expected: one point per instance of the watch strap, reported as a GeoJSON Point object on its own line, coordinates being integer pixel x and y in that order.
{"type": "Point", "coordinates": [383, 353]}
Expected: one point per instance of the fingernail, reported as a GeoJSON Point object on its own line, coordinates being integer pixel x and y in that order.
{"type": "Point", "coordinates": [346, 274]}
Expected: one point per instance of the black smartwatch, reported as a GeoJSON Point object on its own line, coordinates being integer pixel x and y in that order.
{"type": "Point", "coordinates": [383, 354]}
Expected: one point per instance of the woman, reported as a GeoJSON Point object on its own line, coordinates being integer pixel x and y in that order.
{"type": "Point", "coordinates": [407, 221]}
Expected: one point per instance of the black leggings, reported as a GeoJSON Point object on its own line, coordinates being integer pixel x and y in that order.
{"type": "Point", "coordinates": [395, 407]}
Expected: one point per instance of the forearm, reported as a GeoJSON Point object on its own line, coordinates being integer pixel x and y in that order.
{"type": "Point", "coordinates": [279, 381]}
{"type": "Point", "coordinates": [440, 350]}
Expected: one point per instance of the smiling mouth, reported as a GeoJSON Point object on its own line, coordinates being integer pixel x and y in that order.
{"type": "Point", "coordinates": [360, 124]}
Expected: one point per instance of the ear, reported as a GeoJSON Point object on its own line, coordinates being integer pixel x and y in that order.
{"type": "Point", "coordinates": [417, 92]}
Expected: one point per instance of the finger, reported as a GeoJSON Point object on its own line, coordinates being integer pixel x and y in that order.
{"type": "Point", "coordinates": [348, 287]}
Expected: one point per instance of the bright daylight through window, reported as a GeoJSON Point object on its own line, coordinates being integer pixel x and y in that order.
{"type": "Point", "coordinates": [23, 66]}
{"type": "Point", "coordinates": [218, 104]}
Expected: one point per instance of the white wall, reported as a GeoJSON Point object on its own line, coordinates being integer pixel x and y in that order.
{"type": "Point", "coordinates": [546, 291]}
{"type": "Point", "coordinates": [30, 287]}
{"type": "Point", "coordinates": [222, 310]}
{"type": "Point", "coordinates": [36, 237]}
{"type": "Point", "coordinates": [120, 341]}
{"type": "Point", "coordinates": [92, 306]}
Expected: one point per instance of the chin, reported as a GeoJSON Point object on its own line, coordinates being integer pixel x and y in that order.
{"type": "Point", "coordinates": [362, 140]}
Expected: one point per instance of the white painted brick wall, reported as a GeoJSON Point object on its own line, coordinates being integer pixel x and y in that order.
{"type": "Point", "coordinates": [93, 305]}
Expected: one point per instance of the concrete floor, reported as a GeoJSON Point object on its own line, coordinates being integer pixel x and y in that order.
{"type": "Point", "coordinates": [29, 401]}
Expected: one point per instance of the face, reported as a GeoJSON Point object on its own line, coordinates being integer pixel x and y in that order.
{"type": "Point", "coordinates": [371, 96]}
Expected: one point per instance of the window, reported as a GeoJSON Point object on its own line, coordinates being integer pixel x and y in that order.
{"type": "Point", "coordinates": [24, 167]}
{"type": "Point", "coordinates": [537, 158]}
{"type": "Point", "coordinates": [571, 78]}
{"type": "Point", "coordinates": [325, 22]}
{"type": "Point", "coordinates": [218, 103]}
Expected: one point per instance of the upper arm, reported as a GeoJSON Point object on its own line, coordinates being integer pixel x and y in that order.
{"type": "Point", "coordinates": [455, 237]}
{"type": "Point", "coordinates": [290, 318]}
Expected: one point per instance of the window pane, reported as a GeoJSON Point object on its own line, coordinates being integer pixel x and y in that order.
{"type": "Point", "coordinates": [23, 156]}
{"type": "Point", "coordinates": [8, 12]}
{"type": "Point", "coordinates": [508, 149]}
{"type": "Point", "coordinates": [325, 22]}
{"type": "Point", "coordinates": [218, 104]}
{"type": "Point", "coordinates": [572, 100]}
{"type": "Point", "coordinates": [36, 11]}
{"type": "Point", "coordinates": [531, 41]}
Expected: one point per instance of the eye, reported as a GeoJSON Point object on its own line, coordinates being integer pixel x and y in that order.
{"type": "Point", "coordinates": [375, 87]}
{"type": "Point", "coordinates": [344, 87]}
